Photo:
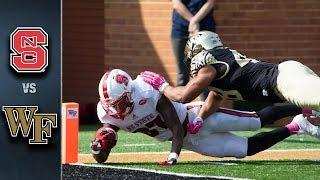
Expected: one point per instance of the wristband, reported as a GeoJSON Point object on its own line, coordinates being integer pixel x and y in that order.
{"type": "Point", "coordinates": [161, 88]}
{"type": "Point", "coordinates": [173, 155]}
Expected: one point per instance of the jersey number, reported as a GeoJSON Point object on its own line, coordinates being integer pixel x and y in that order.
{"type": "Point", "coordinates": [231, 94]}
{"type": "Point", "coordinates": [151, 127]}
{"type": "Point", "coordinates": [29, 49]}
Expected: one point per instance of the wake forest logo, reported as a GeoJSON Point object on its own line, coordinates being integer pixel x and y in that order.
{"type": "Point", "coordinates": [25, 118]}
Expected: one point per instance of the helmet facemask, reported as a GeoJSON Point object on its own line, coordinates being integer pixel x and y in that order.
{"type": "Point", "coordinates": [192, 49]}
{"type": "Point", "coordinates": [119, 107]}
{"type": "Point", "coordinates": [190, 52]}
{"type": "Point", "coordinates": [115, 89]}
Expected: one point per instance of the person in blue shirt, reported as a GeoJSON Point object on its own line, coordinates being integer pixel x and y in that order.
{"type": "Point", "coordinates": [188, 18]}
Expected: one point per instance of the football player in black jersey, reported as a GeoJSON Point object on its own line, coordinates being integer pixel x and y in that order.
{"type": "Point", "coordinates": [234, 76]}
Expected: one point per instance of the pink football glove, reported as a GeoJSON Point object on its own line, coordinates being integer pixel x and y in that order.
{"type": "Point", "coordinates": [195, 125]}
{"type": "Point", "coordinates": [155, 80]}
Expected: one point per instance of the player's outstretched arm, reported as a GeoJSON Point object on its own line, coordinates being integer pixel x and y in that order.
{"type": "Point", "coordinates": [105, 139]}
{"type": "Point", "coordinates": [183, 94]}
{"type": "Point", "coordinates": [194, 88]}
{"type": "Point", "coordinates": [211, 105]}
{"type": "Point", "coordinates": [169, 114]}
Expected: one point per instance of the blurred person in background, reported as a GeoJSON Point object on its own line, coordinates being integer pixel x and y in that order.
{"type": "Point", "coordinates": [188, 18]}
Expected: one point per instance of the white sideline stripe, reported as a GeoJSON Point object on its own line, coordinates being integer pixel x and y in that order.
{"type": "Point", "coordinates": [157, 171]}
{"type": "Point", "coordinates": [191, 152]}
{"type": "Point", "coordinates": [129, 145]}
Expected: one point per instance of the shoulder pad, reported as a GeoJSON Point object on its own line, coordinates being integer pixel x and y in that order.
{"type": "Point", "coordinates": [200, 60]}
{"type": "Point", "coordinates": [144, 89]}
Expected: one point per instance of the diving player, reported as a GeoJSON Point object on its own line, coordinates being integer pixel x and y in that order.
{"type": "Point", "coordinates": [135, 106]}
{"type": "Point", "coordinates": [234, 76]}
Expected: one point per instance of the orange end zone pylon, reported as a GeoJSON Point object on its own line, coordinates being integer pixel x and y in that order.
{"type": "Point", "coordinates": [70, 129]}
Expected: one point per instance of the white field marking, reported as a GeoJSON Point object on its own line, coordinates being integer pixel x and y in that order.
{"type": "Point", "coordinates": [191, 152]}
{"type": "Point", "coordinates": [157, 171]}
{"type": "Point", "coordinates": [130, 145]}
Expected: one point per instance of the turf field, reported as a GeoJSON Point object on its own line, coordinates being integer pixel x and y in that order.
{"type": "Point", "coordinates": [253, 169]}
{"type": "Point", "coordinates": [129, 142]}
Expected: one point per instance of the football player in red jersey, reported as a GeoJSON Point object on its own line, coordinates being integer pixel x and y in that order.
{"type": "Point", "coordinates": [135, 106]}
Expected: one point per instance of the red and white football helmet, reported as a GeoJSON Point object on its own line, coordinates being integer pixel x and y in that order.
{"type": "Point", "coordinates": [115, 93]}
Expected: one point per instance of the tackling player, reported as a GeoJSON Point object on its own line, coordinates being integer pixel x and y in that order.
{"type": "Point", "coordinates": [234, 76]}
{"type": "Point", "coordinates": [135, 106]}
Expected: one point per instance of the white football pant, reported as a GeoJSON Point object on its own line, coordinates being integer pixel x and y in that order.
{"type": "Point", "coordinates": [214, 138]}
{"type": "Point", "coordinates": [299, 85]}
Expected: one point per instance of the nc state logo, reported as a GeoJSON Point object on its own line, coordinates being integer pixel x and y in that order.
{"type": "Point", "coordinates": [29, 46]}
{"type": "Point", "coordinates": [121, 79]}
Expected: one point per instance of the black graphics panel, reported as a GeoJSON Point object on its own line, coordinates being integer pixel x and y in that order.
{"type": "Point", "coordinates": [31, 83]}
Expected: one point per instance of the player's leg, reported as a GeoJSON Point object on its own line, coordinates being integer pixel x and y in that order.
{"type": "Point", "coordinates": [230, 145]}
{"type": "Point", "coordinates": [232, 120]}
{"type": "Point", "coordinates": [217, 145]}
{"type": "Point", "coordinates": [265, 140]}
{"type": "Point", "coordinates": [299, 84]}
{"type": "Point", "coordinates": [270, 114]}
{"type": "Point", "coordinates": [226, 120]}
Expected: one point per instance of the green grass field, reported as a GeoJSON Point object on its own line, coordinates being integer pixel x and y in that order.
{"type": "Point", "coordinates": [288, 169]}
